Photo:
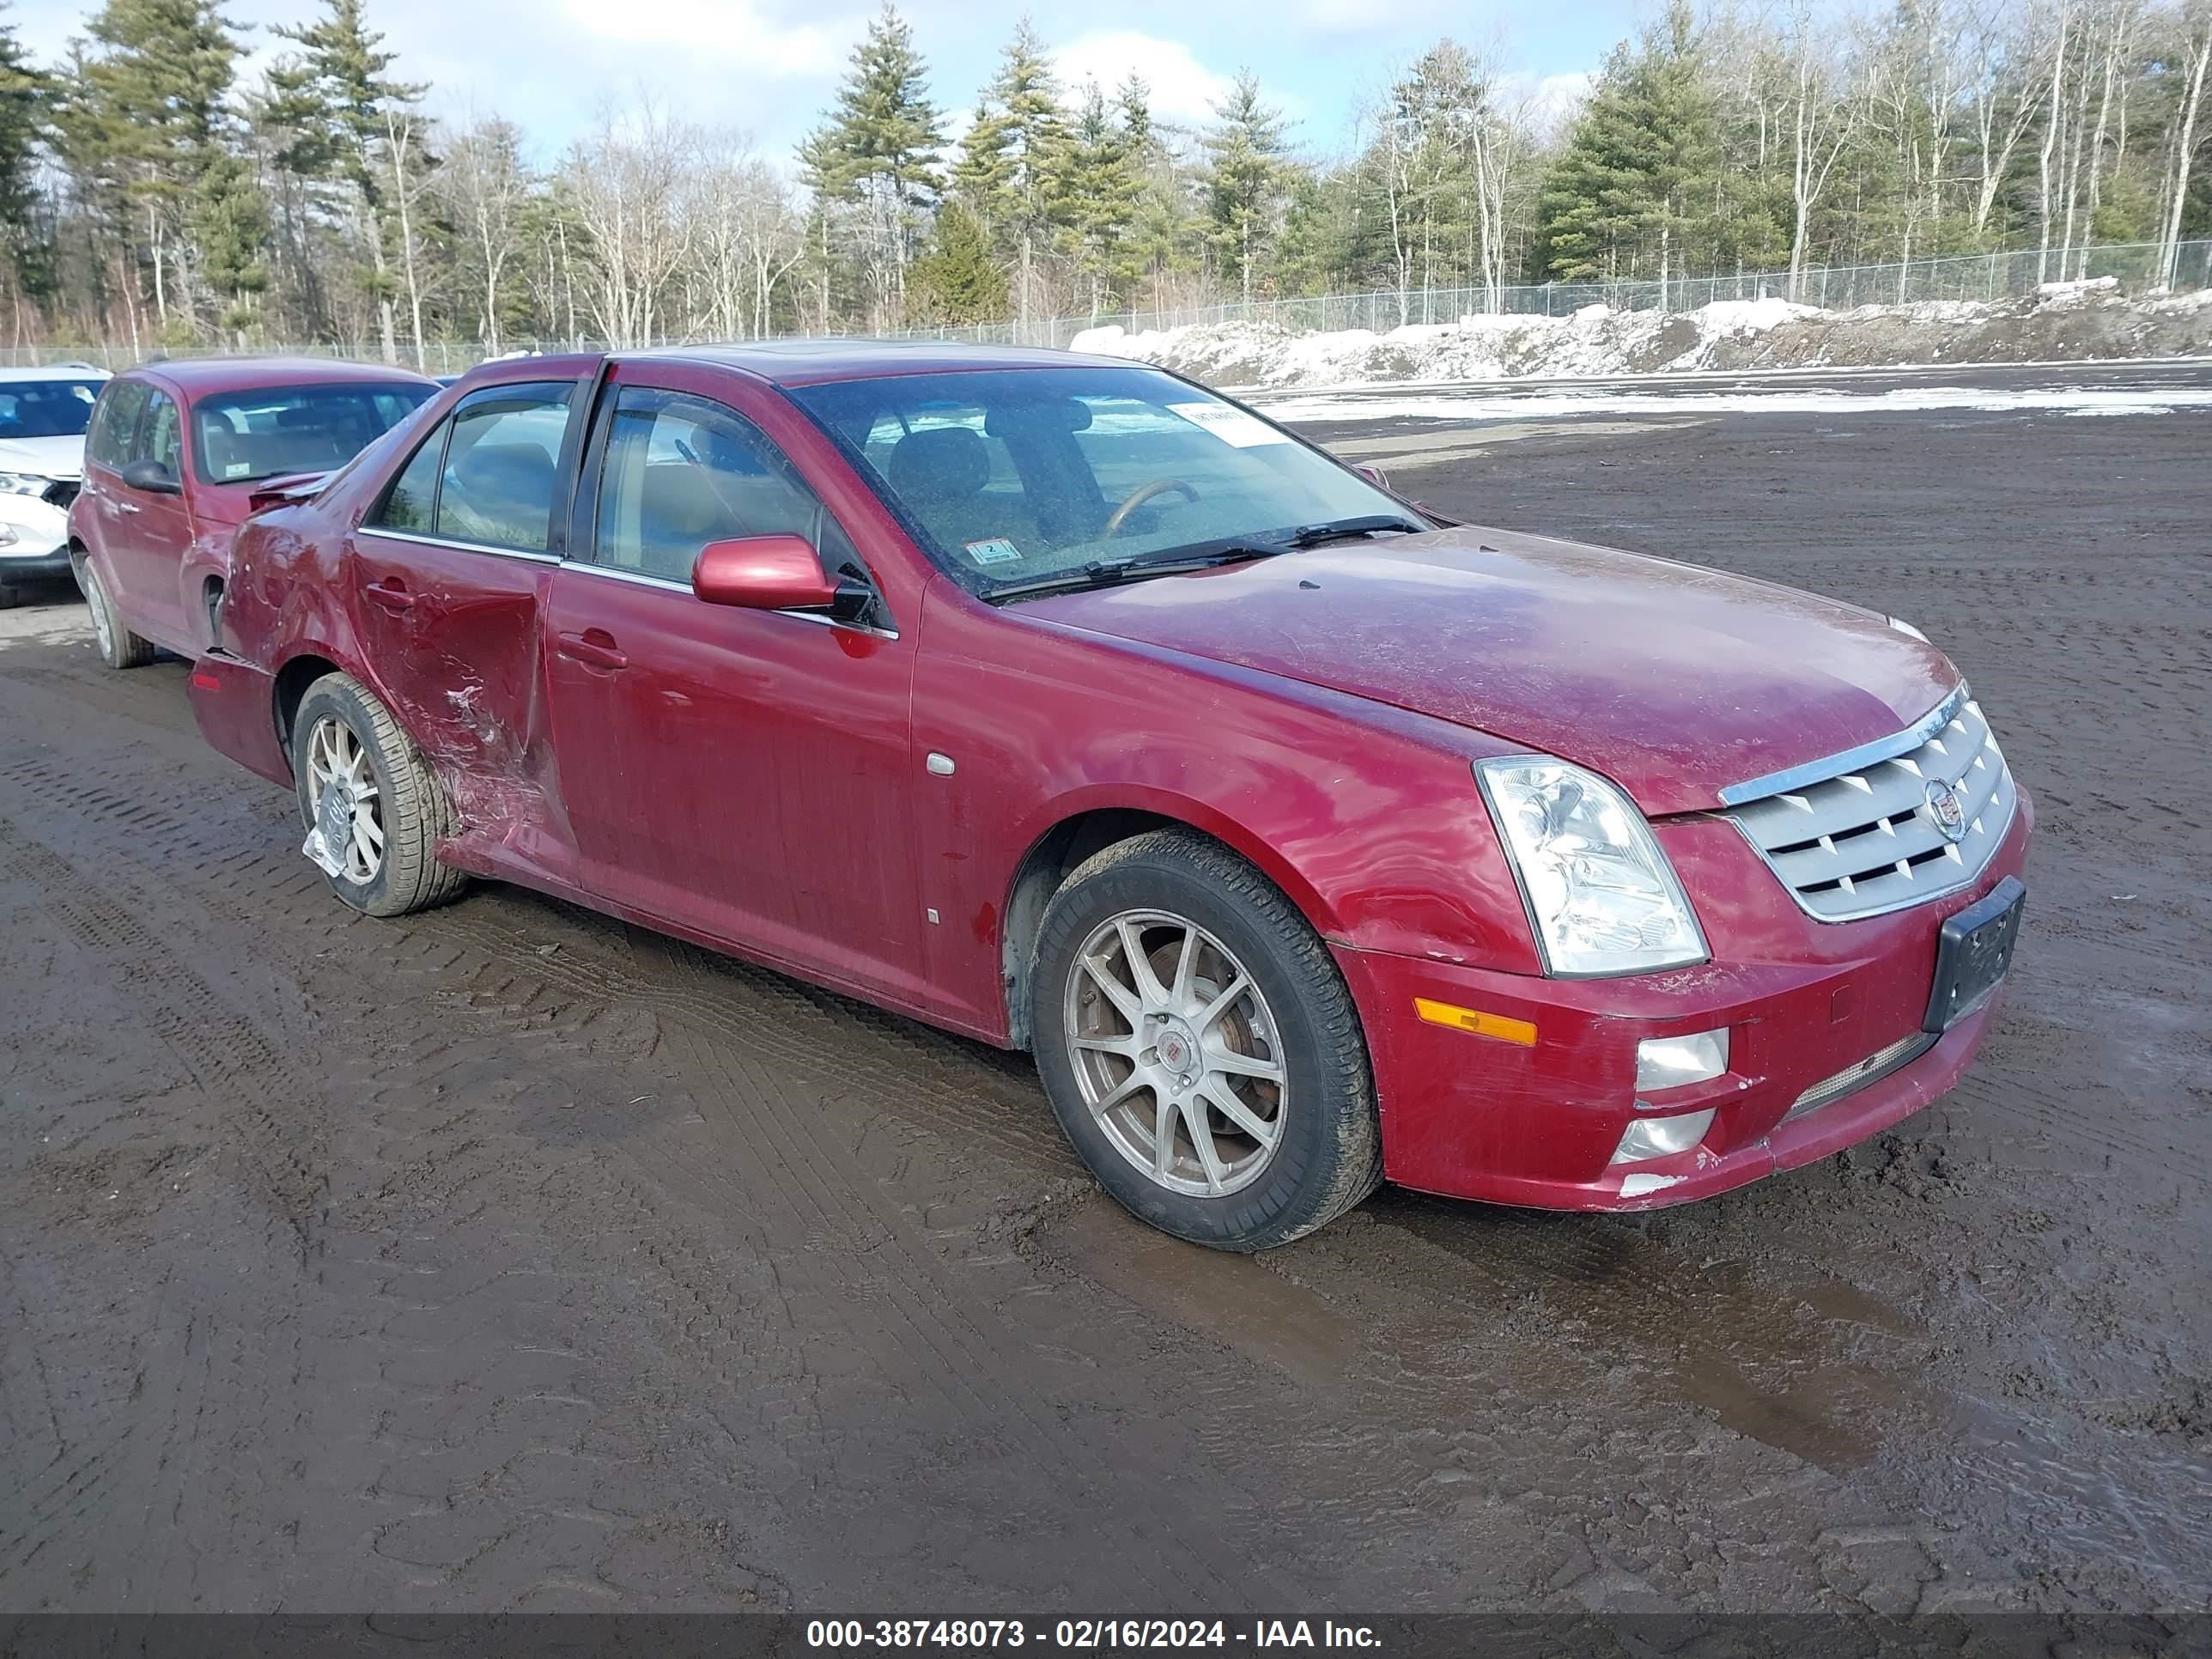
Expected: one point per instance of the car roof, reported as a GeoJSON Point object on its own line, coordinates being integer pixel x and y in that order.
{"type": "Point", "coordinates": [55, 372]}
{"type": "Point", "coordinates": [793, 363]}
{"type": "Point", "coordinates": [199, 377]}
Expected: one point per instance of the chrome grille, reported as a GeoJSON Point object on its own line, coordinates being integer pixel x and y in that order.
{"type": "Point", "coordinates": [1858, 837]}
{"type": "Point", "coordinates": [1875, 1066]}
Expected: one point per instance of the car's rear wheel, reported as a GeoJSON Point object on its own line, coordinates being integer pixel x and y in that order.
{"type": "Point", "coordinates": [117, 645]}
{"type": "Point", "coordinates": [373, 811]}
{"type": "Point", "coordinates": [1199, 1047]}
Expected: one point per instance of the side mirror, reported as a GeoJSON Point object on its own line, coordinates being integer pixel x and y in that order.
{"type": "Point", "coordinates": [152, 478]}
{"type": "Point", "coordinates": [1376, 476]}
{"type": "Point", "coordinates": [773, 573]}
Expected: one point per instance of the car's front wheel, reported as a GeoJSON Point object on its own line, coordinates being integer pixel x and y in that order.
{"type": "Point", "coordinates": [1201, 1049]}
{"type": "Point", "coordinates": [117, 645]}
{"type": "Point", "coordinates": [373, 811]}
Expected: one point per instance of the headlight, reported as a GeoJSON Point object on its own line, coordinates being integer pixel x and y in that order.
{"type": "Point", "coordinates": [1908, 630]}
{"type": "Point", "coordinates": [1600, 895]}
{"type": "Point", "coordinates": [24, 483]}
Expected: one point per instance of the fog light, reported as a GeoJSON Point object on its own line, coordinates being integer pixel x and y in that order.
{"type": "Point", "coordinates": [1670, 1062]}
{"type": "Point", "coordinates": [1657, 1137]}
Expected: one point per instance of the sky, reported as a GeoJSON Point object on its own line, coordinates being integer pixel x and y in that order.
{"type": "Point", "coordinates": [768, 67]}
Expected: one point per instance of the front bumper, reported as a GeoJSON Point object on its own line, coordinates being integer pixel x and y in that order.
{"type": "Point", "coordinates": [1473, 1116]}
{"type": "Point", "coordinates": [33, 539]}
{"type": "Point", "coordinates": [17, 564]}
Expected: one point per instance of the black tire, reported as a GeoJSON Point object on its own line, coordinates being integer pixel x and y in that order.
{"type": "Point", "coordinates": [10, 598]}
{"type": "Point", "coordinates": [412, 808]}
{"type": "Point", "coordinates": [117, 645]}
{"type": "Point", "coordinates": [1330, 1156]}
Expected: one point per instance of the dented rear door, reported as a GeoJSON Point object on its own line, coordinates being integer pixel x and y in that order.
{"type": "Point", "coordinates": [448, 579]}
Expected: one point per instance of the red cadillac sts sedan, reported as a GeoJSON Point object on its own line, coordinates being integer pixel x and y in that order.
{"type": "Point", "coordinates": [1306, 839]}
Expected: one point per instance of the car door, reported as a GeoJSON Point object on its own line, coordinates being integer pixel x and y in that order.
{"type": "Point", "coordinates": [744, 775]}
{"type": "Point", "coordinates": [445, 582]}
{"type": "Point", "coordinates": [110, 510]}
{"type": "Point", "coordinates": [157, 532]}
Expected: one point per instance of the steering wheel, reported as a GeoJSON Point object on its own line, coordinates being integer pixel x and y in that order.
{"type": "Point", "coordinates": [1142, 493]}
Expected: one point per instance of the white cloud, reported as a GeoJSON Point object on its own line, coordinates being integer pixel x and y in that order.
{"type": "Point", "coordinates": [1552, 101]}
{"type": "Point", "coordinates": [1182, 89]}
{"type": "Point", "coordinates": [724, 28]}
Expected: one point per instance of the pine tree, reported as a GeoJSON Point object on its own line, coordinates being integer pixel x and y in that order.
{"type": "Point", "coordinates": [1157, 232]}
{"type": "Point", "coordinates": [1637, 192]}
{"type": "Point", "coordinates": [984, 170]}
{"type": "Point", "coordinates": [24, 92]}
{"type": "Point", "coordinates": [141, 118]}
{"type": "Point", "coordinates": [956, 278]}
{"type": "Point", "coordinates": [341, 106]}
{"type": "Point", "coordinates": [1098, 191]}
{"type": "Point", "coordinates": [1012, 162]}
{"type": "Point", "coordinates": [229, 225]}
{"type": "Point", "coordinates": [877, 151]}
{"type": "Point", "coordinates": [1245, 175]}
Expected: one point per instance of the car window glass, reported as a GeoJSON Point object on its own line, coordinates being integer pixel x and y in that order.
{"type": "Point", "coordinates": [267, 431]}
{"type": "Point", "coordinates": [46, 409]}
{"type": "Point", "coordinates": [118, 419]}
{"type": "Point", "coordinates": [407, 504]}
{"type": "Point", "coordinates": [1015, 476]}
{"type": "Point", "coordinates": [164, 442]}
{"type": "Point", "coordinates": [502, 464]}
{"type": "Point", "coordinates": [679, 472]}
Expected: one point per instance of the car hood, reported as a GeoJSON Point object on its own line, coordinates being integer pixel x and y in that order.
{"type": "Point", "coordinates": [50, 458]}
{"type": "Point", "coordinates": [1673, 680]}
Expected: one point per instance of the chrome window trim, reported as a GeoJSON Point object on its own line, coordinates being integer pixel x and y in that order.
{"type": "Point", "coordinates": [669, 585]}
{"type": "Point", "coordinates": [458, 547]}
{"type": "Point", "coordinates": [1849, 760]}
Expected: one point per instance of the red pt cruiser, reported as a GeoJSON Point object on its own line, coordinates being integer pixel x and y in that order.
{"type": "Point", "coordinates": [1305, 839]}
{"type": "Point", "coordinates": [175, 457]}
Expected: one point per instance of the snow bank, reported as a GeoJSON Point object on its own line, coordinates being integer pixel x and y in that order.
{"type": "Point", "coordinates": [2070, 321]}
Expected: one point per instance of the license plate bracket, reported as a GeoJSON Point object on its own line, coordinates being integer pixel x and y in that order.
{"type": "Point", "coordinates": [1974, 953]}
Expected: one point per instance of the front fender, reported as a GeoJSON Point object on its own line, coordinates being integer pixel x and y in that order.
{"type": "Point", "coordinates": [1366, 816]}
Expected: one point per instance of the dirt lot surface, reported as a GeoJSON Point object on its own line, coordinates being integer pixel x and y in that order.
{"type": "Point", "coordinates": [509, 1257]}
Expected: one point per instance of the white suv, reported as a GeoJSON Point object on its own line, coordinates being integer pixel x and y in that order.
{"type": "Point", "coordinates": [43, 412]}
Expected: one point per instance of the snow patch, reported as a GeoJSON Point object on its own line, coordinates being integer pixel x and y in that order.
{"type": "Point", "coordinates": [2068, 321]}
{"type": "Point", "coordinates": [1477, 406]}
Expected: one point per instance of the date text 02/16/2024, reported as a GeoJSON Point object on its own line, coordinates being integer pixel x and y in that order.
{"type": "Point", "coordinates": [1085, 1633]}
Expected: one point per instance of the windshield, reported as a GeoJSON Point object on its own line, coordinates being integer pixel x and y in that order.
{"type": "Point", "coordinates": [46, 409]}
{"type": "Point", "coordinates": [1019, 476]}
{"type": "Point", "coordinates": [240, 436]}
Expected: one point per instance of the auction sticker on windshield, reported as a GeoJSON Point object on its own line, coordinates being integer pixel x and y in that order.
{"type": "Point", "coordinates": [995, 549]}
{"type": "Point", "coordinates": [1231, 426]}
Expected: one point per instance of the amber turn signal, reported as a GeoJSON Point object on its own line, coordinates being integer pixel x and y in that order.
{"type": "Point", "coordinates": [1475, 1020]}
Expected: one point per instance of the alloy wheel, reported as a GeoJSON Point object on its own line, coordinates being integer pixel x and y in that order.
{"type": "Point", "coordinates": [347, 804]}
{"type": "Point", "coordinates": [1177, 1053]}
{"type": "Point", "coordinates": [97, 601]}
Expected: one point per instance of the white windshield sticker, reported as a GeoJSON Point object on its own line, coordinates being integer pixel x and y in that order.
{"type": "Point", "coordinates": [1231, 426]}
{"type": "Point", "coordinates": [997, 549]}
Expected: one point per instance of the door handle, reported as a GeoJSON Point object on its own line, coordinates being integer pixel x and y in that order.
{"type": "Point", "coordinates": [594, 645]}
{"type": "Point", "coordinates": [390, 596]}
{"type": "Point", "coordinates": [125, 506]}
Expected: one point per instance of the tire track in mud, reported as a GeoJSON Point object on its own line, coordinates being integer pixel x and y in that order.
{"type": "Point", "coordinates": [857, 1251]}
{"type": "Point", "coordinates": [490, 956]}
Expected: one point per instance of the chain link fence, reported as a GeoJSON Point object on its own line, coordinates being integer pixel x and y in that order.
{"type": "Point", "coordinates": [2135, 267]}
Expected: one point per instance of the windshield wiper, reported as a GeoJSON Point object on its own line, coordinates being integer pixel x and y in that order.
{"type": "Point", "coordinates": [1108, 572]}
{"type": "Point", "coordinates": [1205, 555]}
{"type": "Point", "coordinates": [1313, 535]}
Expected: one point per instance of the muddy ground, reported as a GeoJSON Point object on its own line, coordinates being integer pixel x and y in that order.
{"type": "Point", "coordinates": [509, 1257]}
